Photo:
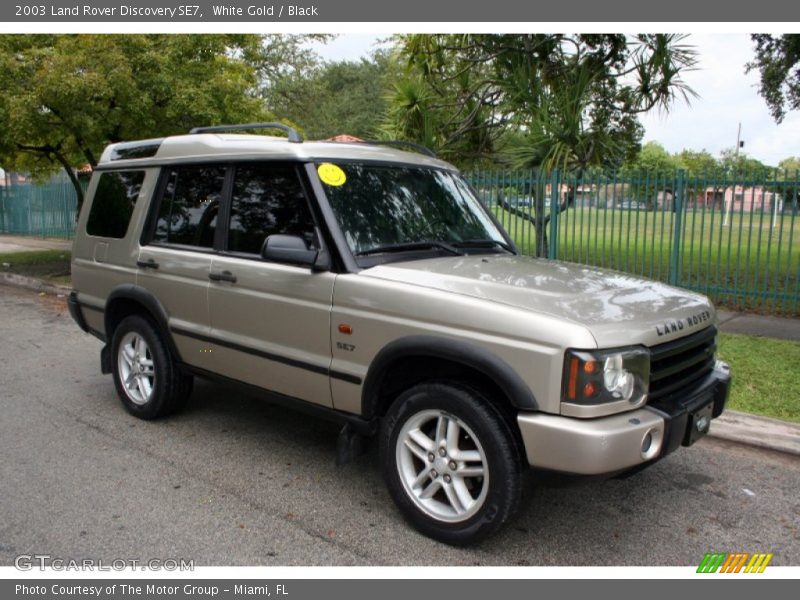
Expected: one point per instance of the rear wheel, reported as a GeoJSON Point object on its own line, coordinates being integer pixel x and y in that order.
{"type": "Point", "coordinates": [450, 462]}
{"type": "Point", "coordinates": [147, 379]}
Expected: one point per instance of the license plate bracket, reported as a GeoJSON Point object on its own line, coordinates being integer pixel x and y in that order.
{"type": "Point", "coordinates": [698, 423]}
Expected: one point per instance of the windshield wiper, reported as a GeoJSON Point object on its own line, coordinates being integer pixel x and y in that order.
{"type": "Point", "coordinates": [404, 247]}
{"type": "Point", "coordinates": [487, 243]}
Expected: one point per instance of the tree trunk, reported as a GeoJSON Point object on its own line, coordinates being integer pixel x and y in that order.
{"type": "Point", "coordinates": [540, 220]}
{"type": "Point", "coordinates": [53, 153]}
{"type": "Point", "coordinates": [540, 224]}
{"type": "Point", "coordinates": [73, 177]}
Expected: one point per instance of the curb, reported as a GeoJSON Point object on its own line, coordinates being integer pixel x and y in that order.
{"type": "Point", "coordinates": [36, 285]}
{"type": "Point", "coordinates": [756, 431]}
{"type": "Point", "coordinates": [732, 426]}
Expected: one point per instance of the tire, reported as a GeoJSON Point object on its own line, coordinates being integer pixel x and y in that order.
{"type": "Point", "coordinates": [457, 505]}
{"type": "Point", "coordinates": [139, 355]}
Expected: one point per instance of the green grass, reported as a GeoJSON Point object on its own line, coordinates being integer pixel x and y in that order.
{"type": "Point", "coordinates": [745, 265]}
{"type": "Point", "coordinates": [50, 265]}
{"type": "Point", "coordinates": [765, 380]}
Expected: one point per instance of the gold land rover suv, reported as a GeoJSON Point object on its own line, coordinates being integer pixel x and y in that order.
{"type": "Point", "coordinates": [368, 284]}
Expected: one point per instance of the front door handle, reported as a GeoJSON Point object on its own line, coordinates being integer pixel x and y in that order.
{"type": "Point", "coordinates": [147, 264]}
{"type": "Point", "coordinates": [223, 276]}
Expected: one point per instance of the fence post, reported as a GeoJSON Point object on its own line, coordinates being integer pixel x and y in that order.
{"type": "Point", "coordinates": [66, 226]}
{"type": "Point", "coordinates": [552, 251]}
{"type": "Point", "coordinates": [677, 230]}
{"type": "Point", "coordinates": [43, 211]}
{"type": "Point", "coordinates": [29, 228]}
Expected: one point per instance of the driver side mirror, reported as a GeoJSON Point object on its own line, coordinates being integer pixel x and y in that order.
{"type": "Point", "coordinates": [293, 250]}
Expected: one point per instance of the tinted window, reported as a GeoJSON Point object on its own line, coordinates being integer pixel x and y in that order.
{"type": "Point", "coordinates": [113, 203]}
{"type": "Point", "coordinates": [380, 206]}
{"type": "Point", "coordinates": [267, 199]}
{"type": "Point", "coordinates": [188, 211]}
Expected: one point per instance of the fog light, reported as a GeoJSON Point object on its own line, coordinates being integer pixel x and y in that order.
{"type": "Point", "coordinates": [651, 443]}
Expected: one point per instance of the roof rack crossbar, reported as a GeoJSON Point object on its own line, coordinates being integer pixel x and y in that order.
{"type": "Point", "coordinates": [293, 135]}
{"type": "Point", "coordinates": [401, 143]}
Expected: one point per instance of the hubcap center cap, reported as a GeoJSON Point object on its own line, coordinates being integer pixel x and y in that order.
{"type": "Point", "coordinates": [440, 464]}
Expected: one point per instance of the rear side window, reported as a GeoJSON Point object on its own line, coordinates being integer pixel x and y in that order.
{"type": "Point", "coordinates": [187, 214]}
{"type": "Point", "coordinates": [114, 199]}
{"type": "Point", "coordinates": [267, 199]}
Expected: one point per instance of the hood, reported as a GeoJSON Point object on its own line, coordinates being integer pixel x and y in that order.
{"type": "Point", "coordinates": [617, 308]}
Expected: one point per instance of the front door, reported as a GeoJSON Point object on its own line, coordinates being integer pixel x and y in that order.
{"type": "Point", "coordinates": [270, 322]}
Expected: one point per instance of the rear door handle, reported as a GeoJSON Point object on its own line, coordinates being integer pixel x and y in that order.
{"type": "Point", "coordinates": [223, 276]}
{"type": "Point", "coordinates": [147, 264]}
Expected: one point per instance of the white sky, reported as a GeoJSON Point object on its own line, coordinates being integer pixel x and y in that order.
{"type": "Point", "coordinates": [728, 96]}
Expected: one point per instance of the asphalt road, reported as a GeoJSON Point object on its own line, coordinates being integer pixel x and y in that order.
{"type": "Point", "coordinates": [235, 481]}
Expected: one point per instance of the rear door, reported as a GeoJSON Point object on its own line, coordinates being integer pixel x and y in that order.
{"type": "Point", "coordinates": [270, 321]}
{"type": "Point", "coordinates": [175, 259]}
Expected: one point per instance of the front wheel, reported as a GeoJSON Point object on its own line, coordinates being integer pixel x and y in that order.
{"type": "Point", "coordinates": [450, 462]}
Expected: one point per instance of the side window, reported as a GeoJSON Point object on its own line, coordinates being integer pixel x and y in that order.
{"type": "Point", "coordinates": [189, 206]}
{"type": "Point", "coordinates": [113, 202]}
{"type": "Point", "coordinates": [267, 199]}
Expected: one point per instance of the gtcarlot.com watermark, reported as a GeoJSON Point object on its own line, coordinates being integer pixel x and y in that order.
{"type": "Point", "coordinates": [29, 562]}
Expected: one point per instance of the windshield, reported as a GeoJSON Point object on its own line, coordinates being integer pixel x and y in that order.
{"type": "Point", "coordinates": [386, 208]}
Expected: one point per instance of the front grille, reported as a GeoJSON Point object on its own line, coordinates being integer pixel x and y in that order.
{"type": "Point", "coordinates": [676, 367]}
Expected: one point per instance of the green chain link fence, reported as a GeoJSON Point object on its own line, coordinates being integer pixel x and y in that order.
{"type": "Point", "coordinates": [736, 240]}
{"type": "Point", "coordinates": [47, 210]}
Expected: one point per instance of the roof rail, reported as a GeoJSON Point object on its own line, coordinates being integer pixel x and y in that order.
{"type": "Point", "coordinates": [293, 135]}
{"type": "Point", "coordinates": [401, 143]}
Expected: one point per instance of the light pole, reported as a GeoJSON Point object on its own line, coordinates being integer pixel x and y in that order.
{"type": "Point", "coordinates": [739, 144]}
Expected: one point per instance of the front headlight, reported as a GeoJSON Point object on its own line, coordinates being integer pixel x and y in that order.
{"type": "Point", "coordinates": [618, 378]}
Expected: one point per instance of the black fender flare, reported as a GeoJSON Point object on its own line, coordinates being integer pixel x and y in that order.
{"type": "Point", "coordinates": [151, 304]}
{"type": "Point", "coordinates": [458, 351]}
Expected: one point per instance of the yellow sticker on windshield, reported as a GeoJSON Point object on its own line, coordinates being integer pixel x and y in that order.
{"type": "Point", "coordinates": [331, 174]}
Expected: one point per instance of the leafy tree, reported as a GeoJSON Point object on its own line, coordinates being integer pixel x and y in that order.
{"type": "Point", "coordinates": [335, 97]}
{"type": "Point", "coordinates": [655, 169]}
{"type": "Point", "coordinates": [697, 164]}
{"type": "Point", "coordinates": [739, 164]}
{"type": "Point", "coordinates": [778, 62]}
{"type": "Point", "coordinates": [445, 99]}
{"type": "Point", "coordinates": [64, 97]}
{"type": "Point", "coordinates": [655, 160]}
{"type": "Point", "coordinates": [788, 176]}
{"type": "Point", "coordinates": [791, 165]}
{"type": "Point", "coordinates": [701, 171]}
{"type": "Point", "coordinates": [279, 56]}
{"type": "Point", "coordinates": [574, 98]}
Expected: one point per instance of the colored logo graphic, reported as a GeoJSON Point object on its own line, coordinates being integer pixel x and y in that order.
{"type": "Point", "coordinates": [735, 562]}
{"type": "Point", "coordinates": [331, 174]}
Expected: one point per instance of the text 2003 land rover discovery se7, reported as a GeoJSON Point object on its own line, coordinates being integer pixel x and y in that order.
{"type": "Point", "coordinates": [371, 285]}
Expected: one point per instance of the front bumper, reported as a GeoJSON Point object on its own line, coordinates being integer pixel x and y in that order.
{"type": "Point", "coordinates": [625, 440]}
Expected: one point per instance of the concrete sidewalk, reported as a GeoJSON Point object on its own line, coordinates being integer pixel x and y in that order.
{"type": "Point", "coordinates": [749, 324]}
{"type": "Point", "coordinates": [19, 243]}
{"type": "Point", "coordinates": [758, 431]}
